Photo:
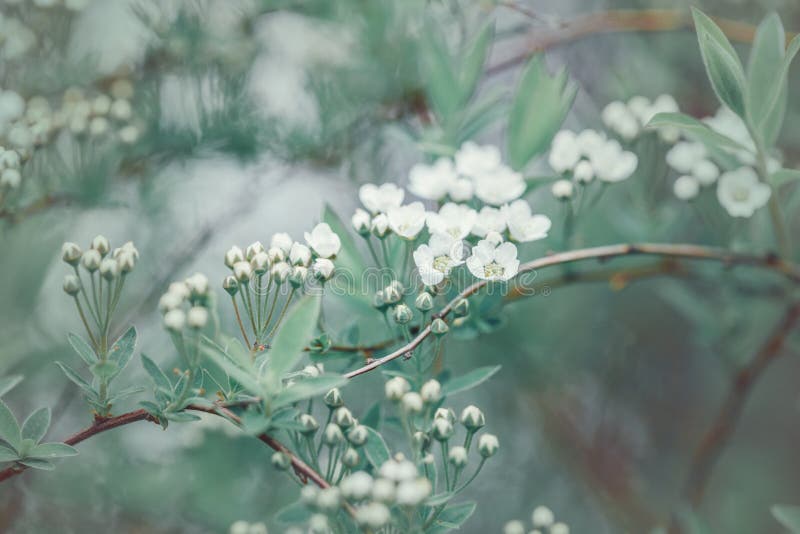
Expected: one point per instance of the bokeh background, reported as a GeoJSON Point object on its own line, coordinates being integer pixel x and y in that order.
{"type": "Point", "coordinates": [256, 114]}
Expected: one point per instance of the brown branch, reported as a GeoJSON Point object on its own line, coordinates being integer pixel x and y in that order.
{"type": "Point", "coordinates": [724, 424]}
{"type": "Point", "coordinates": [693, 252]}
{"type": "Point", "coordinates": [619, 21]}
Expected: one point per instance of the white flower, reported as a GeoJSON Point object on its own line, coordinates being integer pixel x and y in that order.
{"type": "Point", "coordinates": [322, 268]}
{"type": "Point", "coordinates": [281, 241]}
{"type": "Point", "coordinates": [590, 140]}
{"type": "Point", "coordinates": [583, 172]}
{"type": "Point", "coordinates": [431, 391]}
{"type": "Point", "coordinates": [706, 172]}
{"type": "Point", "coordinates": [380, 224]}
{"type": "Point", "coordinates": [562, 189]}
{"type": "Point", "coordinates": [197, 317]}
{"type": "Point", "coordinates": [493, 262]}
{"type": "Point", "coordinates": [611, 163]}
{"type": "Point", "coordinates": [197, 284]}
{"type": "Point", "coordinates": [357, 486]}
{"type": "Point", "coordinates": [500, 187]}
{"type": "Point", "coordinates": [564, 151]}
{"type": "Point", "coordinates": [374, 515]}
{"type": "Point", "coordinates": [453, 219]}
{"type": "Point", "coordinates": [174, 320]}
{"type": "Point", "coordinates": [380, 199]}
{"type": "Point", "coordinates": [407, 221]}
{"type": "Point", "coordinates": [475, 161]}
{"type": "Point", "coordinates": [621, 118]}
{"type": "Point", "coordinates": [686, 187]}
{"type": "Point", "coordinates": [361, 221]}
{"type": "Point", "coordinates": [740, 192]}
{"type": "Point", "coordinates": [462, 190]}
{"type": "Point", "coordinates": [685, 155]}
{"type": "Point", "coordinates": [323, 240]}
{"type": "Point", "coordinates": [489, 220]}
{"type": "Point", "coordinates": [413, 492]}
{"type": "Point", "coordinates": [299, 254]}
{"type": "Point", "coordinates": [432, 182]}
{"type": "Point", "coordinates": [522, 226]}
{"type": "Point", "coordinates": [435, 260]}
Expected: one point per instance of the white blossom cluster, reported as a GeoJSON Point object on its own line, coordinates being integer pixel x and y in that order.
{"type": "Point", "coordinates": [543, 520]}
{"type": "Point", "coordinates": [628, 119]}
{"type": "Point", "coordinates": [244, 527]}
{"type": "Point", "coordinates": [10, 176]}
{"type": "Point", "coordinates": [587, 155]}
{"type": "Point", "coordinates": [739, 191]}
{"type": "Point", "coordinates": [186, 304]}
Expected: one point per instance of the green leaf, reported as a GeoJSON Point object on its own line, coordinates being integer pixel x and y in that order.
{"type": "Point", "coordinates": [75, 378]}
{"type": "Point", "coordinates": [292, 337]}
{"type": "Point", "coordinates": [294, 513]}
{"type": "Point", "coordinates": [474, 59]}
{"type": "Point", "coordinates": [777, 88]}
{"type": "Point", "coordinates": [438, 76]}
{"type": "Point", "coordinates": [181, 417]}
{"type": "Point", "coordinates": [763, 71]}
{"type": "Point", "coordinates": [52, 450]}
{"type": "Point", "coordinates": [784, 176]}
{"type": "Point", "coordinates": [375, 448]}
{"type": "Point", "coordinates": [539, 108]}
{"type": "Point", "coordinates": [723, 67]}
{"type": "Point", "coordinates": [469, 380]}
{"type": "Point", "coordinates": [83, 349]}
{"type": "Point", "coordinates": [696, 130]}
{"type": "Point", "coordinates": [441, 498]}
{"type": "Point", "coordinates": [788, 516]}
{"type": "Point", "coordinates": [158, 376]}
{"type": "Point", "coordinates": [36, 425]}
{"type": "Point", "coordinates": [452, 517]}
{"type": "Point", "coordinates": [104, 371]}
{"type": "Point", "coordinates": [7, 383]}
{"type": "Point", "coordinates": [7, 454]}
{"type": "Point", "coordinates": [123, 348]}
{"type": "Point", "coordinates": [38, 463]}
{"type": "Point", "coordinates": [226, 359]}
{"type": "Point", "coordinates": [306, 388]}
{"type": "Point", "coordinates": [9, 428]}
{"type": "Point", "coordinates": [127, 392]}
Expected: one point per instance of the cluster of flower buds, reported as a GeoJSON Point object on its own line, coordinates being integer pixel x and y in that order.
{"type": "Point", "coordinates": [243, 527]}
{"type": "Point", "coordinates": [587, 155]}
{"type": "Point", "coordinates": [10, 176]}
{"type": "Point", "coordinates": [628, 119]}
{"type": "Point", "coordinates": [186, 304]}
{"type": "Point", "coordinates": [543, 520]}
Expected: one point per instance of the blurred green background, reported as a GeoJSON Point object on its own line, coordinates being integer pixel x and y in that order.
{"type": "Point", "coordinates": [256, 114]}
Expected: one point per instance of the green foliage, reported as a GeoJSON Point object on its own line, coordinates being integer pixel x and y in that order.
{"type": "Point", "coordinates": [470, 380]}
{"type": "Point", "coordinates": [788, 516]}
{"type": "Point", "coordinates": [7, 383]}
{"type": "Point", "coordinates": [23, 445]}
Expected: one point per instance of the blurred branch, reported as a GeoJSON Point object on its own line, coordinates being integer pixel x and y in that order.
{"type": "Point", "coordinates": [724, 424]}
{"type": "Point", "coordinates": [38, 206]}
{"type": "Point", "coordinates": [685, 251]}
{"type": "Point", "coordinates": [615, 21]}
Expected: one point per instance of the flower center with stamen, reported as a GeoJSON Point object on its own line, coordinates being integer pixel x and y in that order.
{"type": "Point", "coordinates": [741, 194]}
{"type": "Point", "coordinates": [442, 264]}
{"type": "Point", "coordinates": [493, 270]}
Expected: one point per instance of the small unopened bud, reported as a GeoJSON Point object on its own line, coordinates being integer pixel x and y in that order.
{"type": "Point", "coordinates": [424, 301]}
{"type": "Point", "coordinates": [396, 387]}
{"type": "Point", "coordinates": [361, 222]}
{"type": "Point", "coordinates": [380, 225]}
{"type": "Point", "coordinates": [91, 260]}
{"type": "Point", "coordinates": [442, 429]}
{"type": "Point", "coordinates": [298, 276]}
{"type": "Point", "coordinates": [197, 317]}
{"type": "Point", "coordinates": [197, 285]}
{"type": "Point", "coordinates": [421, 440]}
{"type": "Point", "coordinates": [109, 268]}
{"type": "Point", "coordinates": [431, 392]}
{"type": "Point", "coordinates": [300, 254]}
{"type": "Point", "coordinates": [275, 255]}
{"type": "Point", "coordinates": [71, 253]}
{"type": "Point", "coordinates": [445, 413]}
{"type": "Point", "coordinates": [169, 301]}
{"type": "Point", "coordinates": [562, 189]}
{"type": "Point", "coordinates": [559, 528]}
{"type": "Point", "coordinates": [458, 456]}
{"type": "Point", "coordinates": [230, 285]}
{"type": "Point", "coordinates": [402, 314]}
{"type": "Point", "coordinates": [333, 398]}
{"type": "Point", "coordinates": [101, 245]}
{"type": "Point", "coordinates": [71, 285]}
{"type": "Point", "coordinates": [351, 458]}
{"type": "Point", "coordinates": [280, 272]}
{"type": "Point", "coordinates": [412, 402]}
{"type": "Point", "coordinates": [472, 418]}
{"type": "Point", "coordinates": [542, 516]}
{"type": "Point", "coordinates": [253, 249]}
{"type": "Point", "coordinates": [439, 327]}
{"type": "Point", "coordinates": [329, 499]}
{"type": "Point", "coordinates": [461, 309]}
{"type": "Point", "coordinates": [318, 524]}
{"type": "Point", "coordinates": [282, 241]}
{"type": "Point", "coordinates": [308, 495]}
{"type": "Point", "coordinates": [281, 461]}
{"type": "Point", "coordinates": [309, 424]}
{"type": "Point", "coordinates": [343, 417]}
{"type": "Point", "coordinates": [391, 294]}
{"type": "Point", "coordinates": [10, 178]}
{"type": "Point", "coordinates": [174, 320]}
{"type": "Point", "coordinates": [358, 435]}
{"type": "Point", "coordinates": [242, 271]}
{"type": "Point", "coordinates": [312, 371]}
{"type": "Point", "coordinates": [514, 527]}
{"type": "Point", "coordinates": [323, 269]}
{"type": "Point", "coordinates": [357, 486]}
{"type": "Point", "coordinates": [126, 261]}
{"type": "Point", "coordinates": [488, 445]}
{"type": "Point", "coordinates": [373, 515]}
{"type": "Point", "coordinates": [259, 262]}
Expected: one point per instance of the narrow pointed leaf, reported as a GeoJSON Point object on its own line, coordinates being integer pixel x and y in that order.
{"type": "Point", "coordinates": [9, 428]}
{"type": "Point", "coordinates": [788, 516]}
{"type": "Point", "coordinates": [158, 376]}
{"type": "Point", "coordinates": [84, 350]}
{"type": "Point", "coordinates": [123, 348]}
{"type": "Point", "coordinates": [293, 336]}
{"type": "Point", "coordinates": [375, 448]}
{"type": "Point", "coordinates": [7, 383]}
{"type": "Point", "coordinates": [36, 425]}
{"type": "Point", "coordinates": [75, 378]}
{"type": "Point", "coordinates": [38, 463]}
{"type": "Point", "coordinates": [52, 450]}
{"type": "Point", "coordinates": [469, 380]}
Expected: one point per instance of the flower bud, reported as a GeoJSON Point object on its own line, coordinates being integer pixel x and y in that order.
{"type": "Point", "coordinates": [318, 524]}
{"type": "Point", "coordinates": [197, 285]}
{"type": "Point", "coordinates": [174, 320]}
{"type": "Point", "coordinates": [361, 222]}
{"type": "Point", "coordinates": [332, 435]}
{"type": "Point", "coordinates": [71, 285]}
{"type": "Point", "coordinates": [281, 241]}
{"type": "Point", "coordinates": [514, 527]}
{"type": "Point", "coordinates": [300, 254]}
{"type": "Point", "coordinates": [343, 417]}
{"type": "Point", "coordinates": [169, 301]}
{"type": "Point", "coordinates": [91, 260]}
{"type": "Point", "coordinates": [71, 253]}
{"type": "Point", "coordinates": [280, 272]}
{"type": "Point", "coordinates": [126, 261]}
{"type": "Point", "coordinates": [275, 255]}
{"type": "Point", "coordinates": [445, 413]}
{"type": "Point", "coordinates": [472, 418]}
{"type": "Point", "coordinates": [312, 371]}
{"type": "Point", "coordinates": [308, 495]}
{"type": "Point", "coordinates": [421, 440]}
{"type": "Point", "coordinates": [351, 458]}
{"type": "Point", "coordinates": [402, 314]}
{"type": "Point", "coordinates": [322, 269]}
{"type": "Point", "coordinates": [109, 268]}
{"type": "Point", "coordinates": [424, 301]}
{"type": "Point", "coordinates": [377, 300]}
{"type": "Point", "coordinates": [253, 249]}
{"type": "Point", "coordinates": [358, 435]}
{"type": "Point", "coordinates": [242, 271]}
{"type": "Point", "coordinates": [380, 225]}
{"type": "Point", "coordinates": [442, 429]}
{"type": "Point", "coordinates": [583, 172]}
{"type": "Point", "coordinates": [412, 402]}
{"type": "Point", "coordinates": [329, 499]}
{"type": "Point", "coordinates": [461, 308]}
{"type": "Point", "coordinates": [373, 515]}
{"type": "Point", "coordinates": [281, 461]}
{"type": "Point", "coordinates": [233, 256]}
{"type": "Point", "coordinates": [309, 424]}
{"type": "Point", "coordinates": [439, 327]}
{"type": "Point", "coordinates": [488, 445]}
{"type": "Point", "coordinates": [197, 317]}
{"type": "Point", "coordinates": [383, 490]}
{"type": "Point", "coordinates": [230, 285]}
{"type": "Point", "coordinates": [542, 516]}
{"type": "Point", "coordinates": [458, 456]}
{"type": "Point", "coordinates": [413, 492]}
{"type": "Point", "coordinates": [562, 189]}
{"type": "Point", "coordinates": [431, 391]}
{"type": "Point", "coordinates": [396, 387]}
{"type": "Point", "coordinates": [356, 486]}
{"type": "Point", "coordinates": [101, 245]}
{"type": "Point", "coordinates": [559, 528]}
{"type": "Point", "coordinates": [259, 262]}
{"type": "Point", "coordinates": [298, 276]}
{"type": "Point", "coordinates": [10, 178]}
{"type": "Point", "coordinates": [180, 289]}
{"type": "Point", "coordinates": [333, 398]}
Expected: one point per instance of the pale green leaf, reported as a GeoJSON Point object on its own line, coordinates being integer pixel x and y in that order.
{"type": "Point", "coordinates": [158, 376]}
{"type": "Point", "coordinates": [84, 350]}
{"type": "Point", "coordinates": [439, 79]}
{"type": "Point", "coordinates": [788, 516]}
{"type": "Point", "coordinates": [123, 348]}
{"type": "Point", "coordinates": [75, 378]}
{"type": "Point", "coordinates": [7, 454]}
{"type": "Point", "coordinates": [777, 87]}
{"type": "Point", "coordinates": [469, 380]}
{"type": "Point", "coordinates": [474, 59]}
{"type": "Point", "coordinates": [375, 448]}
{"type": "Point", "coordinates": [293, 336]}
{"type": "Point", "coordinates": [307, 388]}
{"type": "Point", "coordinates": [452, 518]}
{"type": "Point", "coordinates": [38, 463]}
{"type": "Point", "coordinates": [36, 425]}
{"type": "Point", "coordinates": [9, 428]}
{"type": "Point", "coordinates": [52, 450]}
{"type": "Point", "coordinates": [696, 130]}
{"type": "Point", "coordinates": [763, 70]}
{"type": "Point", "coordinates": [7, 383]}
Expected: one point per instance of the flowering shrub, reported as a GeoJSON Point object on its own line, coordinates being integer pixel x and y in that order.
{"type": "Point", "coordinates": [421, 261]}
